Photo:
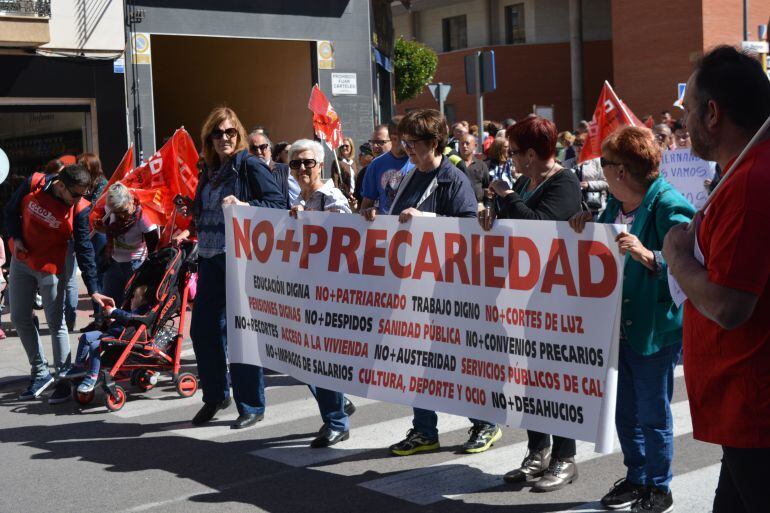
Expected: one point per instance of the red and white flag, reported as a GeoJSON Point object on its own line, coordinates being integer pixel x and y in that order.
{"type": "Point", "coordinates": [610, 114]}
{"type": "Point", "coordinates": [170, 171]}
{"type": "Point", "coordinates": [326, 123]}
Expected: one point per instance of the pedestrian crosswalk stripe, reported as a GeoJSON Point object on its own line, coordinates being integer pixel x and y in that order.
{"type": "Point", "coordinates": [472, 473]}
{"type": "Point", "coordinates": [692, 491]}
{"type": "Point", "coordinates": [288, 412]}
{"type": "Point", "coordinates": [372, 437]}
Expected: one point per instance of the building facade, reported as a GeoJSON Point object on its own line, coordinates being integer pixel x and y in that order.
{"type": "Point", "coordinates": [642, 48]}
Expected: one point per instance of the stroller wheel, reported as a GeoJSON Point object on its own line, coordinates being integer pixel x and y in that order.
{"type": "Point", "coordinates": [84, 398]}
{"type": "Point", "coordinates": [118, 400]}
{"type": "Point", "coordinates": [147, 380]}
{"type": "Point", "coordinates": [186, 384]}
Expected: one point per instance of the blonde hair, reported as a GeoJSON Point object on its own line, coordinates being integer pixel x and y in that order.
{"type": "Point", "coordinates": [217, 116]}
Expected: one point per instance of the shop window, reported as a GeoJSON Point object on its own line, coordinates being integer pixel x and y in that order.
{"type": "Point", "coordinates": [515, 32]}
{"type": "Point", "coordinates": [455, 33]}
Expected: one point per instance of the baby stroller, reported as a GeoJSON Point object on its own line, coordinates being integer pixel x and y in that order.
{"type": "Point", "coordinates": [152, 343]}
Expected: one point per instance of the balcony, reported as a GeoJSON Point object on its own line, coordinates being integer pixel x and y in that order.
{"type": "Point", "coordinates": [24, 23]}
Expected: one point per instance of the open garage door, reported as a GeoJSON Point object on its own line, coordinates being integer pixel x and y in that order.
{"type": "Point", "coordinates": [267, 82]}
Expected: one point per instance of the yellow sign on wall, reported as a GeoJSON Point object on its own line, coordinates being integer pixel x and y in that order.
{"type": "Point", "coordinates": [141, 48]}
{"type": "Point", "coordinates": [325, 51]}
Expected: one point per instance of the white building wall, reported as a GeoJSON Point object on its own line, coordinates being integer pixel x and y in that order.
{"type": "Point", "coordinates": [88, 27]}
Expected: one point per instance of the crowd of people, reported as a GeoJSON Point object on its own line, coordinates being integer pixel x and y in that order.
{"type": "Point", "coordinates": [417, 165]}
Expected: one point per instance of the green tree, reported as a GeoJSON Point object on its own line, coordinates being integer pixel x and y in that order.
{"type": "Point", "coordinates": [414, 65]}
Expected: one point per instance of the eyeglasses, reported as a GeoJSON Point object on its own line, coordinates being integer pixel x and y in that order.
{"type": "Point", "coordinates": [512, 153]}
{"type": "Point", "coordinates": [409, 143]}
{"type": "Point", "coordinates": [378, 142]}
{"type": "Point", "coordinates": [604, 162]}
{"type": "Point", "coordinates": [661, 137]}
{"type": "Point", "coordinates": [218, 134]}
{"type": "Point", "coordinates": [75, 195]}
{"type": "Point", "coordinates": [308, 163]}
{"type": "Point", "coordinates": [262, 148]}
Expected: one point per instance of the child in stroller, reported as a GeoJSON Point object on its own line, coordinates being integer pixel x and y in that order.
{"type": "Point", "coordinates": [88, 347]}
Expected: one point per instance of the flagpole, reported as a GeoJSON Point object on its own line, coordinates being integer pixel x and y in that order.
{"type": "Point", "coordinates": [620, 102]}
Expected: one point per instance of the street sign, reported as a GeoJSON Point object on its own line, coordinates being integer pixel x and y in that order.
{"type": "Point", "coordinates": [440, 91]}
{"type": "Point", "coordinates": [754, 46]}
{"type": "Point", "coordinates": [486, 70]}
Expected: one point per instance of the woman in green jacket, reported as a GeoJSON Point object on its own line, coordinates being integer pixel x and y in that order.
{"type": "Point", "coordinates": [651, 325]}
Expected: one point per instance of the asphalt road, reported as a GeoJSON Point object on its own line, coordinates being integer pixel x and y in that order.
{"type": "Point", "coordinates": [148, 457]}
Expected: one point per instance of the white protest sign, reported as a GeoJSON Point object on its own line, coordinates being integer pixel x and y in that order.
{"type": "Point", "coordinates": [518, 325]}
{"type": "Point", "coordinates": [687, 173]}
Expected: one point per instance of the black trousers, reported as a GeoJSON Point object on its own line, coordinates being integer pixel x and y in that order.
{"type": "Point", "coordinates": [742, 484]}
{"type": "Point", "coordinates": [563, 448]}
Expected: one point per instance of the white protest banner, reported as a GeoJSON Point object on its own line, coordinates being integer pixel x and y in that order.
{"type": "Point", "coordinates": [687, 173]}
{"type": "Point", "coordinates": [518, 325]}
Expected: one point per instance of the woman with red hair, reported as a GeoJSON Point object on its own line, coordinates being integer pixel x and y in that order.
{"type": "Point", "coordinates": [546, 191]}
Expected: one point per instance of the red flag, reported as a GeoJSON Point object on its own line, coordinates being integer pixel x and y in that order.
{"type": "Point", "coordinates": [610, 114]}
{"type": "Point", "coordinates": [170, 171]}
{"type": "Point", "coordinates": [97, 210]}
{"type": "Point", "coordinates": [326, 123]}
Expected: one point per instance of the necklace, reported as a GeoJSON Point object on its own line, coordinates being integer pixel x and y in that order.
{"type": "Point", "coordinates": [545, 177]}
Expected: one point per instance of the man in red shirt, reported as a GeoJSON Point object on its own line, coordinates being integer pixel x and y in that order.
{"type": "Point", "coordinates": [727, 314]}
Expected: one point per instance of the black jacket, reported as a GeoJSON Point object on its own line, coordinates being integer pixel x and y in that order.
{"type": "Point", "coordinates": [281, 175]}
{"type": "Point", "coordinates": [451, 195]}
{"type": "Point", "coordinates": [557, 199]}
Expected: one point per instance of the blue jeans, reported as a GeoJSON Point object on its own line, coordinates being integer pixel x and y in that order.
{"type": "Point", "coordinates": [425, 422]}
{"type": "Point", "coordinates": [23, 282]}
{"type": "Point", "coordinates": [88, 349]}
{"type": "Point", "coordinates": [115, 278]}
{"type": "Point", "coordinates": [332, 407]}
{"type": "Point", "coordinates": [208, 330]}
{"type": "Point", "coordinates": [643, 415]}
{"type": "Point", "coordinates": [71, 285]}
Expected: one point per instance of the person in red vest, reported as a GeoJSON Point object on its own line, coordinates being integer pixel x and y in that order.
{"type": "Point", "coordinates": [41, 217]}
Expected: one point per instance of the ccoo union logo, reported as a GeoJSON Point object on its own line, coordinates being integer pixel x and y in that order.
{"type": "Point", "coordinates": [43, 215]}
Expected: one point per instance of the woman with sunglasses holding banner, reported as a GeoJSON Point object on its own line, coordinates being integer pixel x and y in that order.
{"type": "Point", "coordinates": [650, 322]}
{"type": "Point", "coordinates": [230, 175]}
{"type": "Point", "coordinates": [547, 192]}
{"type": "Point", "coordinates": [306, 163]}
{"type": "Point", "coordinates": [41, 217]}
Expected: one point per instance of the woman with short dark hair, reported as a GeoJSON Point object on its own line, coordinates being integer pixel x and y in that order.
{"type": "Point", "coordinates": [433, 188]}
{"type": "Point", "coordinates": [545, 191]}
{"type": "Point", "coordinates": [651, 324]}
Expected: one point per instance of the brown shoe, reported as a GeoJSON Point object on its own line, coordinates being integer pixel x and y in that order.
{"type": "Point", "coordinates": [533, 466]}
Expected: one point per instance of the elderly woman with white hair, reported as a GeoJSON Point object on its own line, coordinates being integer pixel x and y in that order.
{"type": "Point", "coordinates": [306, 163]}
{"type": "Point", "coordinates": [130, 237]}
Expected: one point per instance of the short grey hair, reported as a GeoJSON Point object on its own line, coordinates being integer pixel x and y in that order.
{"type": "Point", "coordinates": [259, 131]}
{"type": "Point", "coordinates": [118, 196]}
{"type": "Point", "coordinates": [301, 145]}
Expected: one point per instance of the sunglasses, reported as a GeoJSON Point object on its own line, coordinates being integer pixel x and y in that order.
{"type": "Point", "coordinates": [604, 162]}
{"type": "Point", "coordinates": [259, 147]}
{"type": "Point", "coordinates": [308, 163]}
{"type": "Point", "coordinates": [345, 146]}
{"type": "Point", "coordinates": [219, 134]}
{"type": "Point", "coordinates": [409, 143]}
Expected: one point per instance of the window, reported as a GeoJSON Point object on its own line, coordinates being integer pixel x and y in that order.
{"type": "Point", "coordinates": [515, 33]}
{"type": "Point", "coordinates": [455, 32]}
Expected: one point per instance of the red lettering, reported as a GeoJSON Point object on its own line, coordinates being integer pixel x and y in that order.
{"type": "Point", "coordinates": [455, 250]}
{"type": "Point", "coordinates": [476, 260]}
{"type": "Point", "coordinates": [400, 238]}
{"type": "Point", "coordinates": [242, 238]}
{"type": "Point", "coordinates": [372, 252]}
{"type": "Point", "coordinates": [587, 249]}
{"type": "Point", "coordinates": [308, 247]}
{"type": "Point", "coordinates": [423, 265]}
{"type": "Point", "coordinates": [338, 248]}
{"type": "Point", "coordinates": [516, 246]}
{"type": "Point", "coordinates": [263, 252]}
{"type": "Point", "coordinates": [558, 256]}
{"type": "Point", "coordinates": [492, 261]}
